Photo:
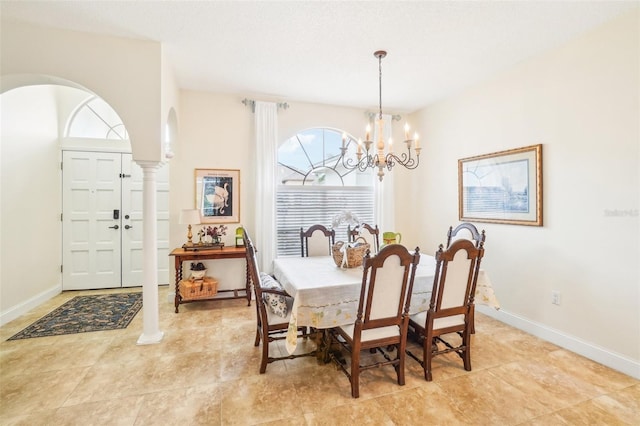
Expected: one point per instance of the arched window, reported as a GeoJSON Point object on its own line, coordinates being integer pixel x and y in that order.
{"type": "Point", "coordinates": [313, 186]}
{"type": "Point", "coordinates": [95, 119]}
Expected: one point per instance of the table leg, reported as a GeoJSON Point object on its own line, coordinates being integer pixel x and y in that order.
{"type": "Point", "coordinates": [178, 266]}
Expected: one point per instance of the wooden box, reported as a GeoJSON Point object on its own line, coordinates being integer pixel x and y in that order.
{"type": "Point", "coordinates": [198, 289]}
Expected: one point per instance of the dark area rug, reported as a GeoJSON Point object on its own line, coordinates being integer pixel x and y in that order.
{"type": "Point", "coordinates": [86, 313]}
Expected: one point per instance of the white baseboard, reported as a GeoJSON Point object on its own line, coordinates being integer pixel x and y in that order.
{"type": "Point", "coordinates": [24, 307]}
{"type": "Point", "coordinates": [589, 350]}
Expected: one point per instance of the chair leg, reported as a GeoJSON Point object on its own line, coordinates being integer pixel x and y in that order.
{"type": "Point", "coordinates": [355, 374]}
{"type": "Point", "coordinates": [466, 355]}
{"type": "Point", "coordinates": [472, 319]}
{"type": "Point", "coordinates": [265, 351]}
{"type": "Point", "coordinates": [427, 356]}
{"type": "Point", "coordinates": [257, 342]}
{"type": "Point", "coordinates": [400, 366]}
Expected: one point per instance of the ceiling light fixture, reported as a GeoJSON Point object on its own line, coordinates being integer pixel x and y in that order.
{"type": "Point", "coordinates": [372, 158]}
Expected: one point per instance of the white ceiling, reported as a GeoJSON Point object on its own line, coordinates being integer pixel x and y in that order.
{"type": "Point", "coordinates": [322, 51]}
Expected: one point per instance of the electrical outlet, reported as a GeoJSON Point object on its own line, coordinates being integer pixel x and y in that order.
{"type": "Point", "coordinates": [555, 297]}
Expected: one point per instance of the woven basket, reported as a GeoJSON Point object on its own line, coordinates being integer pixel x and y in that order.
{"type": "Point", "coordinates": [198, 289]}
{"type": "Point", "coordinates": [355, 255]}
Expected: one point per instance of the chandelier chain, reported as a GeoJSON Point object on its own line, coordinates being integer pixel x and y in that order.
{"type": "Point", "coordinates": [380, 84]}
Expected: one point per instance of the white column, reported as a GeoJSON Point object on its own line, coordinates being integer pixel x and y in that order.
{"type": "Point", "coordinates": [151, 332]}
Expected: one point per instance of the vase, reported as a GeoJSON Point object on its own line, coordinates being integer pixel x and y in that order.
{"type": "Point", "coordinates": [198, 275]}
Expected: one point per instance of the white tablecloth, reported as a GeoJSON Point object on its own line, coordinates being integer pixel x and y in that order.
{"type": "Point", "coordinates": [327, 296]}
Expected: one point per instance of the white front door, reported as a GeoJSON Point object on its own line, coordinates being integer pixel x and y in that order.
{"type": "Point", "coordinates": [132, 202]}
{"type": "Point", "coordinates": [91, 249]}
{"type": "Point", "coordinates": [112, 183]}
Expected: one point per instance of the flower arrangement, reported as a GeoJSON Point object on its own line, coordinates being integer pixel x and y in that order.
{"type": "Point", "coordinates": [345, 216]}
{"type": "Point", "coordinates": [214, 232]}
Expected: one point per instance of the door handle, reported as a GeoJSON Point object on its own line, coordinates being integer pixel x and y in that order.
{"type": "Point", "coordinates": [128, 227]}
{"type": "Point", "coordinates": [114, 227]}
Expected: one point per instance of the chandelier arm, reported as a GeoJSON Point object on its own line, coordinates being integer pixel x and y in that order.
{"type": "Point", "coordinates": [362, 164]}
{"type": "Point", "coordinates": [405, 160]}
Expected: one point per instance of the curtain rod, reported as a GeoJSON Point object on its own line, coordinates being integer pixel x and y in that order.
{"type": "Point", "coordinates": [252, 104]}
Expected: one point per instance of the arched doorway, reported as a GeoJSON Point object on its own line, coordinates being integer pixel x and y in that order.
{"type": "Point", "coordinates": [38, 138]}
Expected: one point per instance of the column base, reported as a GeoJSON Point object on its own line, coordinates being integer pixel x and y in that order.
{"type": "Point", "coordinates": [146, 339]}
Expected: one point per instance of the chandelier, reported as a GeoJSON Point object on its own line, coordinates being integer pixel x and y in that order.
{"type": "Point", "coordinates": [382, 155]}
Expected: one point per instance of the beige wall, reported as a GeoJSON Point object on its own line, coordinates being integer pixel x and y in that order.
{"type": "Point", "coordinates": [581, 101]}
{"type": "Point", "coordinates": [217, 131]}
{"type": "Point", "coordinates": [126, 73]}
{"type": "Point", "coordinates": [31, 197]}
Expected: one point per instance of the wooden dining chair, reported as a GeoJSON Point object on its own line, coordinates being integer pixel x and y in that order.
{"type": "Point", "coordinates": [273, 306]}
{"type": "Point", "coordinates": [446, 326]}
{"type": "Point", "coordinates": [383, 315]}
{"type": "Point", "coordinates": [316, 240]}
{"type": "Point", "coordinates": [366, 231]}
{"type": "Point", "coordinates": [467, 231]}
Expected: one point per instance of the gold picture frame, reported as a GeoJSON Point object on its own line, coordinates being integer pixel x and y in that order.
{"type": "Point", "coordinates": [218, 195]}
{"type": "Point", "coordinates": [502, 187]}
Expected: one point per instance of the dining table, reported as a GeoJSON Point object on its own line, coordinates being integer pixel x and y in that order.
{"type": "Point", "coordinates": [327, 296]}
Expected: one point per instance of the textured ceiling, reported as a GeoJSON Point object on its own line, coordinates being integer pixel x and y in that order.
{"type": "Point", "coordinates": [322, 51]}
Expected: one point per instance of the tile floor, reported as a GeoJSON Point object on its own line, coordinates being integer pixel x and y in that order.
{"type": "Point", "coordinates": [205, 371]}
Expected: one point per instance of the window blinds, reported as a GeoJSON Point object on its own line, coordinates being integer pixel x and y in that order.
{"type": "Point", "coordinates": [302, 206]}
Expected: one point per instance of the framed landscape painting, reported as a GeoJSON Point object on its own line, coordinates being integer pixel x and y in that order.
{"type": "Point", "coordinates": [502, 187]}
{"type": "Point", "coordinates": [218, 195]}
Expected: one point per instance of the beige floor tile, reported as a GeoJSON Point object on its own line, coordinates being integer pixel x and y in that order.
{"type": "Point", "coordinates": [196, 405]}
{"type": "Point", "coordinates": [354, 412]}
{"type": "Point", "coordinates": [619, 408]}
{"type": "Point", "coordinates": [206, 371]}
{"type": "Point", "coordinates": [426, 404]}
{"type": "Point", "coordinates": [34, 392]}
{"type": "Point", "coordinates": [545, 383]}
{"type": "Point", "coordinates": [604, 378]}
{"type": "Point", "coordinates": [122, 411]}
{"type": "Point", "coordinates": [258, 399]}
{"type": "Point", "coordinates": [486, 399]}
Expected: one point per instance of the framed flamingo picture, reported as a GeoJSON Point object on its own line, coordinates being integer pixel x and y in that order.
{"type": "Point", "coordinates": [218, 195]}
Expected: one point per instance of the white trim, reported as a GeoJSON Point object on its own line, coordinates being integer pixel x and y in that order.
{"type": "Point", "coordinates": [29, 304]}
{"type": "Point", "coordinates": [99, 145]}
{"type": "Point", "coordinates": [595, 353]}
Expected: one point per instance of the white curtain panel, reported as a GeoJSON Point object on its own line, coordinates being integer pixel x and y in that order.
{"type": "Point", "coordinates": [266, 116]}
{"type": "Point", "coordinates": [383, 212]}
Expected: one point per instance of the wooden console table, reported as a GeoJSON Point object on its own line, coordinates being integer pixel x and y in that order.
{"type": "Point", "coordinates": [181, 255]}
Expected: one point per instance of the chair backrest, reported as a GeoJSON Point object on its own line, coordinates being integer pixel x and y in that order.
{"type": "Point", "coordinates": [454, 284]}
{"type": "Point", "coordinates": [387, 282]}
{"type": "Point", "coordinates": [370, 233]}
{"type": "Point", "coordinates": [466, 231]}
{"type": "Point", "coordinates": [254, 276]}
{"type": "Point", "coordinates": [245, 237]}
{"type": "Point", "coordinates": [316, 241]}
